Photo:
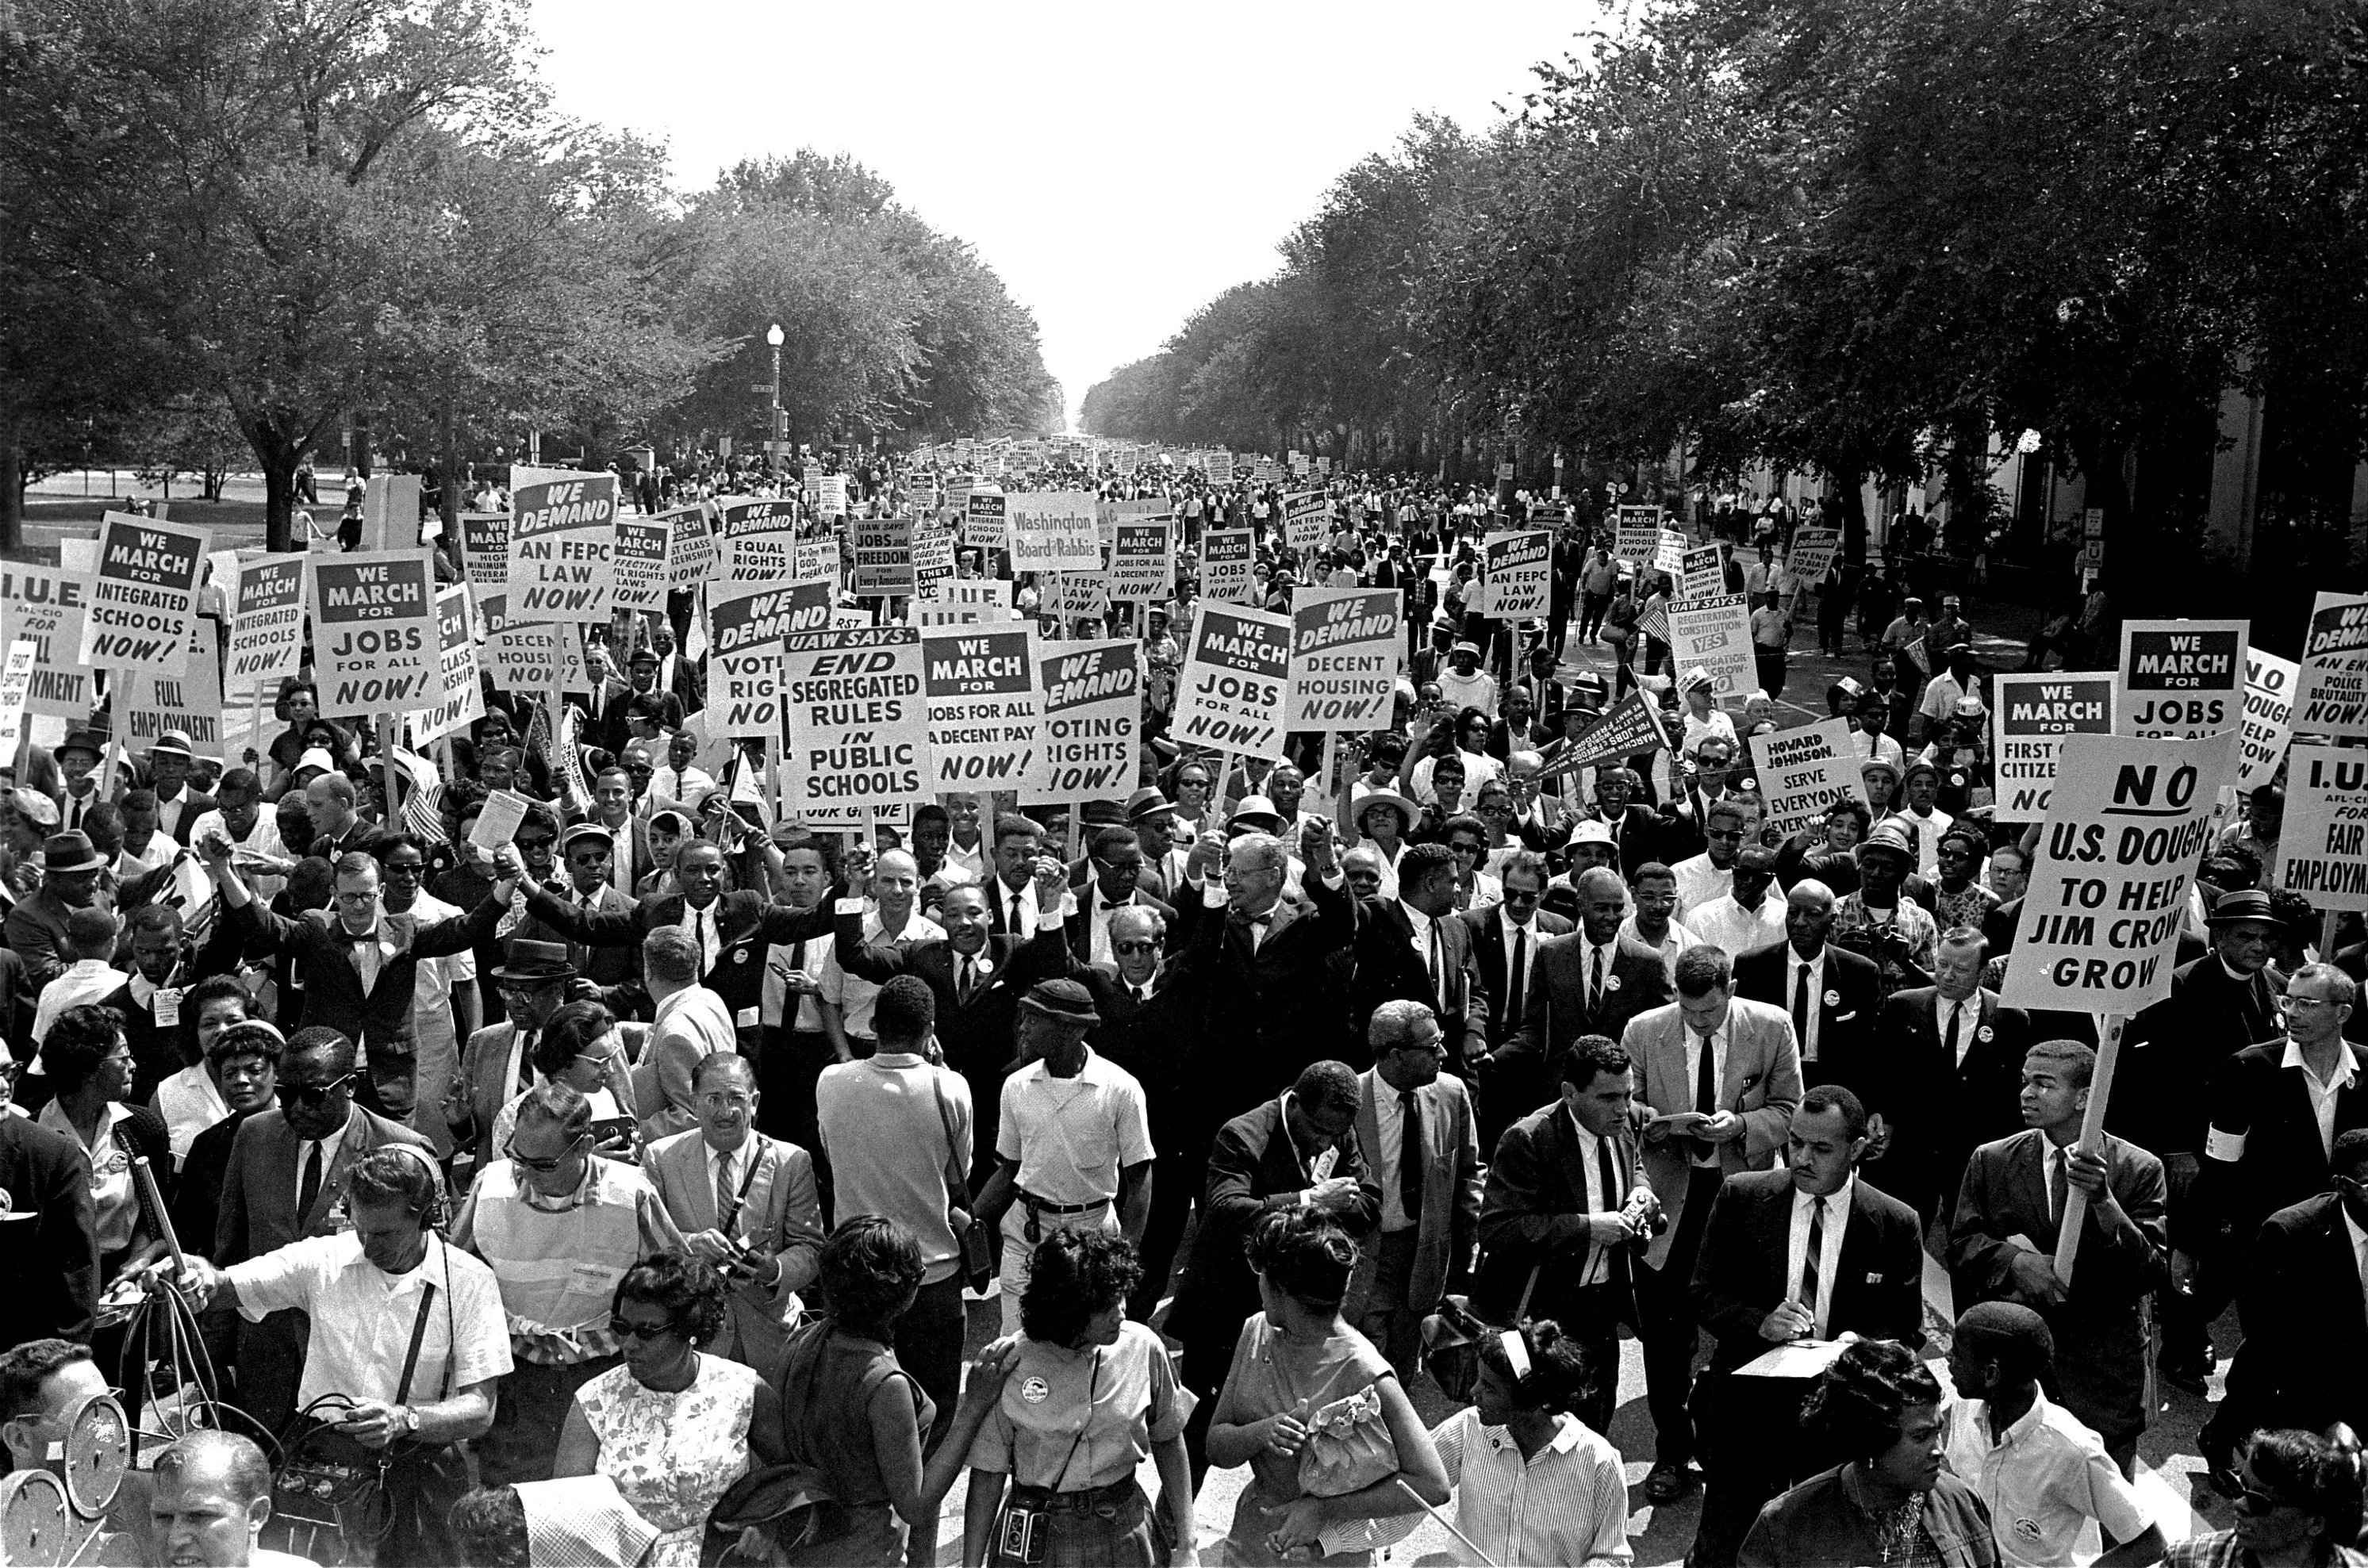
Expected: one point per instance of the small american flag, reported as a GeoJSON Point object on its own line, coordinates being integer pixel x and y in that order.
{"type": "Point", "coordinates": [422, 808]}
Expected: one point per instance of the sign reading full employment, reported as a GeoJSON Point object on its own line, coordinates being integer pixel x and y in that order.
{"type": "Point", "coordinates": [1228, 559]}
{"type": "Point", "coordinates": [1054, 531]}
{"type": "Point", "coordinates": [1516, 574]}
{"type": "Point", "coordinates": [984, 706]}
{"type": "Point", "coordinates": [1714, 633]}
{"type": "Point", "coordinates": [459, 696]}
{"type": "Point", "coordinates": [190, 702]}
{"type": "Point", "coordinates": [44, 605]}
{"type": "Point", "coordinates": [1803, 772]}
{"type": "Point", "coordinates": [2029, 721]}
{"type": "Point", "coordinates": [144, 597]}
{"type": "Point", "coordinates": [748, 623]}
{"type": "Point", "coordinates": [563, 538]}
{"type": "Point", "coordinates": [856, 721]}
{"type": "Point", "coordinates": [638, 581]}
{"type": "Point", "coordinates": [374, 636]}
{"type": "Point", "coordinates": [1344, 657]}
{"type": "Point", "coordinates": [2323, 849]}
{"type": "Point", "coordinates": [1143, 560]}
{"type": "Point", "coordinates": [2333, 697]}
{"type": "Point", "coordinates": [759, 540]}
{"type": "Point", "coordinates": [1234, 693]}
{"type": "Point", "coordinates": [1093, 707]}
{"type": "Point", "coordinates": [2267, 723]}
{"type": "Point", "coordinates": [267, 637]}
{"type": "Point", "coordinates": [2180, 677]}
{"type": "Point", "coordinates": [2126, 825]}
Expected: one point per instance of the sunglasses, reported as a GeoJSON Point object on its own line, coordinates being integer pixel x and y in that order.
{"type": "Point", "coordinates": [626, 1329]}
{"type": "Point", "coordinates": [535, 843]}
{"type": "Point", "coordinates": [1512, 897]}
{"type": "Point", "coordinates": [309, 1094]}
{"type": "Point", "coordinates": [400, 868]}
{"type": "Point", "coordinates": [509, 1153]}
{"type": "Point", "coordinates": [2254, 1502]}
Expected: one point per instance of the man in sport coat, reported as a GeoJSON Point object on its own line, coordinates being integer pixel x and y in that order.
{"type": "Point", "coordinates": [1957, 1082]}
{"type": "Point", "coordinates": [47, 1229]}
{"type": "Point", "coordinates": [1500, 929]}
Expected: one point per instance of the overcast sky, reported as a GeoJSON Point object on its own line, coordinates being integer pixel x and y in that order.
{"type": "Point", "coordinates": [1072, 145]}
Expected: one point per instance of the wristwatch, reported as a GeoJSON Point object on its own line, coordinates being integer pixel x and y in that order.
{"type": "Point", "coordinates": [410, 1421]}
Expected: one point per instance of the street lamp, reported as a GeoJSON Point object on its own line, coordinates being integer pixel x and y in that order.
{"type": "Point", "coordinates": [773, 335]}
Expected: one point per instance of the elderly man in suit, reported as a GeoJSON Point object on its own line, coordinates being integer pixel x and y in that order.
{"type": "Point", "coordinates": [1810, 1252]}
{"type": "Point", "coordinates": [746, 1206]}
{"type": "Point", "coordinates": [498, 1063]}
{"type": "Point", "coordinates": [1106, 880]}
{"type": "Point", "coordinates": [1417, 1130]}
{"type": "Point", "coordinates": [1833, 994]}
{"type": "Point", "coordinates": [1560, 1220]}
{"type": "Point", "coordinates": [1413, 948]}
{"type": "Point", "coordinates": [1955, 1079]}
{"type": "Point", "coordinates": [691, 1024]}
{"type": "Point", "coordinates": [2002, 1243]}
{"type": "Point", "coordinates": [1717, 1078]}
{"type": "Point", "coordinates": [1592, 981]}
{"type": "Point", "coordinates": [1298, 1150]}
{"type": "Point", "coordinates": [287, 1181]}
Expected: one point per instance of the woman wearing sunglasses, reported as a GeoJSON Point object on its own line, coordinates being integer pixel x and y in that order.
{"type": "Point", "coordinates": [2299, 1508]}
{"type": "Point", "coordinates": [580, 1049]}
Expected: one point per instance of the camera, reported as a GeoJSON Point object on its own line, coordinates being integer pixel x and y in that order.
{"type": "Point", "coordinates": [1643, 1214]}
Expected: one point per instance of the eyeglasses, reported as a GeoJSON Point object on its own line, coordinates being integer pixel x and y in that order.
{"type": "Point", "coordinates": [535, 843]}
{"type": "Point", "coordinates": [1465, 848]}
{"type": "Point", "coordinates": [309, 1094]}
{"type": "Point", "coordinates": [601, 1064]}
{"type": "Point", "coordinates": [2254, 1502]}
{"type": "Point", "coordinates": [408, 870]}
{"type": "Point", "coordinates": [509, 1153]}
{"type": "Point", "coordinates": [1512, 897]}
{"type": "Point", "coordinates": [1134, 947]}
{"type": "Point", "coordinates": [2303, 1004]}
{"type": "Point", "coordinates": [625, 1328]}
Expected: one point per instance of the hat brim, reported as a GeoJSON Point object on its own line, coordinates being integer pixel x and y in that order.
{"type": "Point", "coordinates": [1265, 822]}
{"type": "Point", "coordinates": [536, 976]}
{"type": "Point", "coordinates": [95, 863]}
{"type": "Point", "coordinates": [2247, 918]}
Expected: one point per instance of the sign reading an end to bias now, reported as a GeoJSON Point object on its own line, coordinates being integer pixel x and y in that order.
{"type": "Point", "coordinates": [143, 597]}
{"type": "Point", "coordinates": [2126, 825]}
{"type": "Point", "coordinates": [563, 538]}
{"type": "Point", "coordinates": [374, 635]}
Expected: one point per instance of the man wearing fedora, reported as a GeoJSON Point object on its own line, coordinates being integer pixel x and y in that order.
{"type": "Point", "coordinates": [72, 871]}
{"type": "Point", "coordinates": [178, 803]}
{"type": "Point", "coordinates": [498, 1063]}
{"type": "Point", "coordinates": [1153, 817]}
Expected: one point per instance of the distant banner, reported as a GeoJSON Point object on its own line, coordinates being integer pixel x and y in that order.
{"type": "Point", "coordinates": [1803, 772]}
{"type": "Point", "coordinates": [963, 601]}
{"type": "Point", "coordinates": [1092, 714]}
{"type": "Point", "coordinates": [374, 635]}
{"type": "Point", "coordinates": [2267, 725]}
{"type": "Point", "coordinates": [486, 549]}
{"type": "Point", "coordinates": [759, 540]}
{"type": "Point", "coordinates": [1516, 574]}
{"type": "Point", "coordinates": [1054, 531]}
{"type": "Point", "coordinates": [639, 580]}
{"type": "Point", "coordinates": [142, 607]}
{"type": "Point", "coordinates": [44, 603]}
{"type": "Point", "coordinates": [1714, 633]}
{"type": "Point", "coordinates": [1629, 727]}
{"type": "Point", "coordinates": [984, 706]}
{"type": "Point", "coordinates": [2323, 848]}
{"type": "Point", "coordinates": [1813, 552]}
{"type": "Point", "coordinates": [2180, 677]}
{"type": "Point", "coordinates": [1234, 693]}
{"type": "Point", "coordinates": [858, 729]}
{"type": "Point", "coordinates": [1143, 562]}
{"type": "Point", "coordinates": [1637, 536]}
{"type": "Point", "coordinates": [1228, 564]}
{"type": "Point", "coordinates": [883, 555]}
{"type": "Point", "coordinates": [1669, 555]}
{"type": "Point", "coordinates": [16, 684]}
{"type": "Point", "coordinates": [692, 555]}
{"type": "Point", "coordinates": [459, 694]}
{"type": "Point", "coordinates": [986, 519]}
{"type": "Point", "coordinates": [1306, 521]}
{"type": "Point", "coordinates": [2332, 696]}
{"type": "Point", "coordinates": [267, 637]}
{"type": "Point", "coordinates": [1345, 646]}
{"type": "Point", "coordinates": [2030, 716]}
{"type": "Point", "coordinates": [933, 554]}
{"type": "Point", "coordinates": [563, 539]}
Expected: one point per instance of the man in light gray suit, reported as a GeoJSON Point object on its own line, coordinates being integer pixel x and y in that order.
{"type": "Point", "coordinates": [1426, 1157]}
{"type": "Point", "coordinates": [746, 1205]}
{"type": "Point", "coordinates": [1718, 1078]}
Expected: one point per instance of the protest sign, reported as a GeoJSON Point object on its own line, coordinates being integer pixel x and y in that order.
{"type": "Point", "coordinates": [143, 597]}
{"type": "Point", "coordinates": [1628, 727]}
{"type": "Point", "coordinates": [525, 659]}
{"type": "Point", "coordinates": [830, 495]}
{"type": "Point", "coordinates": [190, 702]}
{"type": "Point", "coordinates": [1306, 518]}
{"type": "Point", "coordinates": [883, 555]}
{"type": "Point", "coordinates": [2180, 677]}
{"type": "Point", "coordinates": [1638, 536]}
{"type": "Point", "coordinates": [1669, 555]}
{"type": "Point", "coordinates": [1092, 710]}
{"type": "Point", "coordinates": [933, 554]}
{"type": "Point", "coordinates": [748, 624]}
{"type": "Point", "coordinates": [563, 538]}
{"type": "Point", "coordinates": [1345, 644]}
{"type": "Point", "coordinates": [2125, 826]}
{"type": "Point", "coordinates": [2323, 848]}
{"type": "Point", "coordinates": [758, 539]}
{"type": "Point", "coordinates": [1516, 573]}
{"type": "Point", "coordinates": [2331, 695]}
{"type": "Point", "coordinates": [1812, 554]}
{"type": "Point", "coordinates": [267, 637]}
{"type": "Point", "coordinates": [1143, 560]}
{"type": "Point", "coordinates": [819, 557]}
{"type": "Point", "coordinates": [1054, 531]}
{"type": "Point", "coordinates": [2029, 719]}
{"type": "Point", "coordinates": [2268, 722]}
{"type": "Point", "coordinates": [638, 580]}
{"type": "Point", "coordinates": [1082, 595]}
{"type": "Point", "coordinates": [986, 520]}
{"type": "Point", "coordinates": [1804, 770]}
{"type": "Point", "coordinates": [963, 601]}
{"type": "Point", "coordinates": [486, 548]}
{"type": "Point", "coordinates": [856, 728]}
{"type": "Point", "coordinates": [1701, 574]}
{"type": "Point", "coordinates": [692, 554]}
{"type": "Point", "coordinates": [1220, 468]}
{"type": "Point", "coordinates": [44, 603]}
{"type": "Point", "coordinates": [460, 696]}
{"type": "Point", "coordinates": [374, 635]}
{"type": "Point", "coordinates": [1228, 559]}
{"type": "Point", "coordinates": [1234, 693]}
{"type": "Point", "coordinates": [1715, 633]}
{"type": "Point", "coordinates": [16, 685]}
{"type": "Point", "coordinates": [984, 706]}
{"type": "Point", "coordinates": [498, 823]}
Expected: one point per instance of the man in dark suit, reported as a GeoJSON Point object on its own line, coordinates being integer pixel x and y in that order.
{"type": "Point", "coordinates": [1507, 938]}
{"type": "Point", "coordinates": [2303, 1362]}
{"type": "Point", "coordinates": [49, 1232]}
{"type": "Point", "coordinates": [609, 732]}
{"type": "Point", "coordinates": [1810, 1252]}
{"type": "Point", "coordinates": [178, 806]}
{"type": "Point", "coordinates": [1591, 981]}
{"type": "Point", "coordinates": [1413, 949]}
{"type": "Point", "coordinates": [332, 806]}
{"type": "Point", "coordinates": [287, 1181]}
{"type": "Point", "coordinates": [1556, 1220]}
{"type": "Point", "coordinates": [1954, 1081]}
{"type": "Point", "coordinates": [1106, 880]}
{"type": "Point", "coordinates": [71, 873]}
{"type": "Point", "coordinates": [1638, 832]}
{"type": "Point", "coordinates": [1297, 1150]}
{"type": "Point", "coordinates": [497, 1061]}
{"type": "Point", "coordinates": [1833, 994]}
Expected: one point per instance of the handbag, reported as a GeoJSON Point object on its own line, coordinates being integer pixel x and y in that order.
{"type": "Point", "coordinates": [975, 1246]}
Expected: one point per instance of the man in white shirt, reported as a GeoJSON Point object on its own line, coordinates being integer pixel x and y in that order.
{"type": "Point", "coordinates": [263, 859]}
{"type": "Point", "coordinates": [1466, 684]}
{"type": "Point", "coordinates": [680, 782]}
{"type": "Point", "coordinates": [966, 848]}
{"type": "Point", "coordinates": [1746, 918]}
{"type": "Point", "coordinates": [91, 931]}
{"type": "Point", "coordinates": [1652, 917]}
{"type": "Point", "coordinates": [1711, 874]}
{"type": "Point", "coordinates": [894, 917]}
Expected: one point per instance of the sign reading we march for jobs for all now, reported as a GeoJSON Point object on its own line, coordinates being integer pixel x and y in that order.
{"type": "Point", "coordinates": [2180, 677]}
{"type": "Point", "coordinates": [374, 635]}
{"type": "Point", "coordinates": [1235, 689]}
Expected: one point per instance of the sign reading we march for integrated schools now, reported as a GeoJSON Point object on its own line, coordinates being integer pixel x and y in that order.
{"type": "Point", "coordinates": [1234, 692]}
{"type": "Point", "coordinates": [143, 597]}
{"type": "Point", "coordinates": [266, 638]}
{"type": "Point", "coordinates": [2180, 677]}
{"type": "Point", "coordinates": [2032, 716]}
{"type": "Point", "coordinates": [1093, 708]}
{"type": "Point", "coordinates": [2323, 848]}
{"type": "Point", "coordinates": [563, 539]}
{"type": "Point", "coordinates": [375, 642]}
{"type": "Point", "coordinates": [984, 706]}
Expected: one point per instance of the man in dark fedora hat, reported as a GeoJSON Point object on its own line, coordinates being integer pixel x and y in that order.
{"type": "Point", "coordinates": [498, 1063]}
{"type": "Point", "coordinates": [78, 756]}
{"type": "Point", "coordinates": [1152, 816]}
{"type": "Point", "coordinates": [72, 877]}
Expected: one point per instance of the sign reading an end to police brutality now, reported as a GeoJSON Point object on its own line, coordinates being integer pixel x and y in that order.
{"type": "Point", "coordinates": [1093, 710]}
{"type": "Point", "coordinates": [1235, 694]}
{"type": "Point", "coordinates": [2332, 698]}
{"type": "Point", "coordinates": [984, 706]}
{"type": "Point", "coordinates": [748, 624]}
{"type": "Point", "coordinates": [2032, 716]}
{"type": "Point", "coordinates": [563, 538]}
{"type": "Point", "coordinates": [144, 597]}
{"type": "Point", "coordinates": [1516, 574]}
{"type": "Point", "coordinates": [2180, 677]}
{"type": "Point", "coordinates": [2323, 851]}
{"type": "Point", "coordinates": [855, 719]}
{"type": "Point", "coordinates": [1344, 657]}
{"type": "Point", "coordinates": [374, 636]}
{"type": "Point", "coordinates": [2126, 825]}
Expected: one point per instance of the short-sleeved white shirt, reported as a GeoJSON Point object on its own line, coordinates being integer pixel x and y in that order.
{"type": "Point", "coordinates": [2048, 1483]}
{"type": "Point", "coordinates": [1072, 1136]}
{"type": "Point", "coordinates": [362, 1317]}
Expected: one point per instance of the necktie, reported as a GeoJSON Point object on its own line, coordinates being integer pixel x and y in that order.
{"type": "Point", "coordinates": [797, 1007]}
{"type": "Point", "coordinates": [1013, 925]}
{"type": "Point", "coordinates": [969, 979]}
{"type": "Point", "coordinates": [1809, 1259]}
{"type": "Point", "coordinates": [1609, 1179]}
{"type": "Point", "coordinates": [1517, 990]}
{"type": "Point", "coordinates": [1950, 1044]}
{"type": "Point", "coordinates": [723, 1193]}
{"type": "Point", "coordinates": [2057, 1180]}
{"type": "Point", "coordinates": [526, 1062]}
{"type": "Point", "coordinates": [1142, 993]}
{"type": "Point", "coordinates": [1410, 1156]}
{"type": "Point", "coordinates": [1706, 1094]}
{"type": "Point", "coordinates": [1437, 968]}
{"type": "Point", "coordinates": [308, 1190]}
{"type": "Point", "coordinates": [1801, 1012]}
{"type": "Point", "coordinates": [1595, 981]}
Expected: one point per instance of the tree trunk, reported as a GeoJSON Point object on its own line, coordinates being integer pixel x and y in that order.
{"type": "Point", "coordinates": [12, 496]}
{"type": "Point", "coordinates": [279, 498]}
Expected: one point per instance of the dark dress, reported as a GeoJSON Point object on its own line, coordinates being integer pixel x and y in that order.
{"type": "Point", "coordinates": [826, 1382]}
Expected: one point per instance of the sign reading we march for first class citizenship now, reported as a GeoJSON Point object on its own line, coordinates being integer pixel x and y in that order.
{"type": "Point", "coordinates": [562, 537]}
{"type": "Point", "coordinates": [2035, 712]}
{"type": "Point", "coordinates": [144, 597]}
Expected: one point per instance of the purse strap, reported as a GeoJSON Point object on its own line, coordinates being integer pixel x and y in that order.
{"type": "Point", "coordinates": [957, 1180]}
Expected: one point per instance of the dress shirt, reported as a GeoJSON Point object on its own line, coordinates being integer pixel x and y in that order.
{"type": "Point", "coordinates": [1423, 951]}
{"type": "Point", "coordinates": [1588, 951]}
{"type": "Point", "coordinates": [976, 860]}
{"type": "Point", "coordinates": [1792, 962]}
{"type": "Point", "coordinates": [1878, 748]}
{"type": "Point", "coordinates": [84, 981]}
{"type": "Point", "coordinates": [999, 918]}
{"type": "Point", "coordinates": [1719, 1040]}
{"type": "Point", "coordinates": [1699, 881]}
{"type": "Point", "coordinates": [1525, 939]}
{"type": "Point", "coordinates": [1598, 1200]}
{"type": "Point", "coordinates": [1727, 926]}
{"type": "Point", "coordinates": [1568, 1502]}
{"type": "Point", "coordinates": [328, 1151]}
{"type": "Point", "coordinates": [1389, 1129]}
{"type": "Point", "coordinates": [1677, 940]}
{"type": "Point", "coordinates": [2047, 1481]}
{"type": "Point", "coordinates": [726, 1169]}
{"type": "Point", "coordinates": [1829, 1255]}
{"type": "Point", "coordinates": [1320, 1167]}
{"type": "Point", "coordinates": [699, 925]}
{"type": "Point", "coordinates": [2323, 1093]}
{"type": "Point", "coordinates": [362, 1317]}
{"type": "Point", "coordinates": [853, 994]}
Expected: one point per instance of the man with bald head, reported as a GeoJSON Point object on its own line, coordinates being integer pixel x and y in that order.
{"type": "Point", "coordinates": [1832, 993]}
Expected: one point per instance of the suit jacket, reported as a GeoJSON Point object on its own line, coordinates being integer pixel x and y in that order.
{"type": "Point", "coordinates": [1253, 1167]}
{"type": "Point", "coordinates": [610, 732]}
{"type": "Point", "coordinates": [193, 806]}
{"type": "Point", "coordinates": [1740, 1275]}
{"type": "Point", "coordinates": [1947, 1110]}
{"type": "Point", "coordinates": [2173, 1049]}
{"type": "Point", "coordinates": [1450, 1222]}
{"type": "Point", "coordinates": [484, 1079]}
{"type": "Point", "coordinates": [1762, 1083]}
{"type": "Point", "coordinates": [779, 1215]}
{"type": "Point", "coordinates": [197, 1196]}
{"type": "Point", "coordinates": [1384, 967]}
{"type": "Point", "coordinates": [1489, 951]}
{"type": "Point", "coordinates": [47, 1233]}
{"type": "Point", "coordinates": [2263, 1153]}
{"type": "Point", "coordinates": [1265, 1012]}
{"type": "Point", "coordinates": [1556, 1012]}
{"type": "Point", "coordinates": [2100, 1340]}
{"type": "Point", "coordinates": [378, 1020]}
{"type": "Point", "coordinates": [2304, 1361]}
{"type": "Point", "coordinates": [1847, 1007]}
{"type": "Point", "coordinates": [1078, 927]}
{"type": "Point", "coordinates": [1146, 1038]}
{"type": "Point", "coordinates": [746, 923]}
{"type": "Point", "coordinates": [603, 966]}
{"type": "Point", "coordinates": [1533, 1215]}
{"type": "Point", "coordinates": [1640, 833]}
{"type": "Point", "coordinates": [691, 1026]}
{"type": "Point", "coordinates": [259, 1199]}
{"type": "Point", "coordinates": [974, 1033]}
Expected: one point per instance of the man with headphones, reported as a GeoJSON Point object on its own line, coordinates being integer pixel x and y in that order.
{"type": "Point", "coordinates": [406, 1342]}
